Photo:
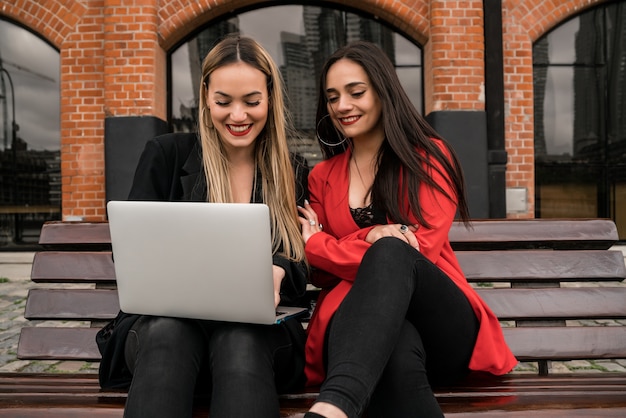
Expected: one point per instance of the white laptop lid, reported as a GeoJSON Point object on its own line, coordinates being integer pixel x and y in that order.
{"type": "Point", "coordinates": [194, 260]}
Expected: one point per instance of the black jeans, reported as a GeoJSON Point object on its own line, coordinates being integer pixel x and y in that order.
{"type": "Point", "coordinates": [403, 326]}
{"type": "Point", "coordinates": [242, 365]}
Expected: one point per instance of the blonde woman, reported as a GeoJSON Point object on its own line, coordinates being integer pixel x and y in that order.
{"type": "Point", "coordinates": [240, 155]}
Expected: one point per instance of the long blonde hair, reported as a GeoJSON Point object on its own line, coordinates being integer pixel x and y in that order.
{"type": "Point", "coordinates": [271, 151]}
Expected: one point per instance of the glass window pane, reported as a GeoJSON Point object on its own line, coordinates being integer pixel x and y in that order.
{"type": "Point", "coordinates": [618, 204]}
{"type": "Point", "coordinates": [34, 69]}
{"type": "Point", "coordinates": [569, 110]}
{"type": "Point", "coordinates": [554, 119]}
{"type": "Point", "coordinates": [568, 113]}
{"type": "Point", "coordinates": [561, 43]}
{"type": "Point", "coordinates": [566, 190]}
{"type": "Point", "coordinates": [30, 174]}
{"type": "Point", "coordinates": [299, 38]}
{"type": "Point", "coordinates": [589, 40]}
{"type": "Point", "coordinates": [411, 79]}
{"type": "Point", "coordinates": [580, 116]}
{"type": "Point", "coordinates": [406, 52]}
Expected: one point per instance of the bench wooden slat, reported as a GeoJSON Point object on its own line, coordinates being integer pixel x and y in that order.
{"type": "Point", "coordinates": [73, 267]}
{"type": "Point", "coordinates": [42, 343]}
{"type": "Point", "coordinates": [527, 343]}
{"type": "Point", "coordinates": [68, 408]}
{"type": "Point", "coordinates": [567, 343]}
{"type": "Point", "coordinates": [479, 266]}
{"type": "Point", "coordinates": [483, 405]}
{"type": "Point", "coordinates": [507, 304]}
{"type": "Point", "coordinates": [76, 304]}
{"type": "Point", "coordinates": [75, 235]}
{"type": "Point", "coordinates": [477, 382]}
{"type": "Point", "coordinates": [491, 234]}
{"type": "Point", "coordinates": [87, 382]}
{"type": "Point", "coordinates": [485, 234]}
{"type": "Point", "coordinates": [578, 395]}
{"type": "Point", "coordinates": [557, 303]}
{"type": "Point", "coordinates": [539, 265]}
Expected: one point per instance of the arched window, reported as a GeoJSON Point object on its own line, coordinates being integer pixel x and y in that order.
{"type": "Point", "coordinates": [580, 117]}
{"type": "Point", "coordinates": [30, 135]}
{"type": "Point", "coordinates": [299, 38]}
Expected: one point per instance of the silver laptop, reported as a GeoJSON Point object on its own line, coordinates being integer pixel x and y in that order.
{"type": "Point", "coordinates": [208, 261]}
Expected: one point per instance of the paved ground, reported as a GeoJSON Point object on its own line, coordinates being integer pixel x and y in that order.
{"type": "Point", "coordinates": [15, 282]}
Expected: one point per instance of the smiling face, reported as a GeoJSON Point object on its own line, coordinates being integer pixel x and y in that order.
{"type": "Point", "coordinates": [238, 101]}
{"type": "Point", "coordinates": [352, 102]}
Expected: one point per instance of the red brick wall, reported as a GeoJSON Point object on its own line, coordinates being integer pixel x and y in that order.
{"type": "Point", "coordinates": [113, 63]}
{"type": "Point", "coordinates": [454, 56]}
{"type": "Point", "coordinates": [82, 116]}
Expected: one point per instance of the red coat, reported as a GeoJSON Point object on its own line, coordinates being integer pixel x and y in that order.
{"type": "Point", "coordinates": [338, 251]}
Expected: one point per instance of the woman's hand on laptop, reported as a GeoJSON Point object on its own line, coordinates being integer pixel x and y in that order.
{"type": "Point", "coordinates": [279, 275]}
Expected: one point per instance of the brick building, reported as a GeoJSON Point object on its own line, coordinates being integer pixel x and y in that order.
{"type": "Point", "coordinates": [478, 83]}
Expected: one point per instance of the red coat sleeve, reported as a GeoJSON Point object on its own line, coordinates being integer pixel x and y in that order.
{"type": "Point", "coordinates": [338, 250]}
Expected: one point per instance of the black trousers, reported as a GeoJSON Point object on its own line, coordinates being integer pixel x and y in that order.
{"type": "Point", "coordinates": [403, 327]}
{"type": "Point", "coordinates": [241, 366]}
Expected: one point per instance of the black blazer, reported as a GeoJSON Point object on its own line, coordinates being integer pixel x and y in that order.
{"type": "Point", "coordinates": [170, 169]}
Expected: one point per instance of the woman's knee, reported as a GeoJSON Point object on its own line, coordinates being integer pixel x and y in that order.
{"type": "Point", "coordinates": [389, 261]}
{"type": "Point", "coordinates": [237, 340]}
{"type": "Point", "coordinates": [389, 250]}
{"type": "Point", "coordinates": [386, 247]}
{"type": "Point", "coordinates": [240, 347]}
{"type": "Point", "coordinates": [161, 339]}
{"type": "Point", "coordinates": [167, 330]}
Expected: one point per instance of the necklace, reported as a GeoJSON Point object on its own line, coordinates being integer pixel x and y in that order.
{"type": "Point", "coordinates": [367, 189]}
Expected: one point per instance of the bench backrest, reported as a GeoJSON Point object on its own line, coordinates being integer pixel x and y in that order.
{"type": "Point", "coordinates": [524, 269]}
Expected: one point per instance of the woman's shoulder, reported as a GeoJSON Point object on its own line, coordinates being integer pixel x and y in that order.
{"type": "Point", "coordinates": [325, 167]}
{"type": "Point", "coordinates": [443, 146]}
{"type": "Point", "coordinates": [177, 140]}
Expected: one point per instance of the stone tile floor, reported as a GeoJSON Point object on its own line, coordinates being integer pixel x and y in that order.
{"type": "Point", "coordinates": [14, 284]}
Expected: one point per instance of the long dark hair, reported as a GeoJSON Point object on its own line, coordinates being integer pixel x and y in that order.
{"type": "Point", "coordinates": [408, 149]}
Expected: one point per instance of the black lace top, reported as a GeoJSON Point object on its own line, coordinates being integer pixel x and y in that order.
{"type": "Point", "coordinates": [368, 216]}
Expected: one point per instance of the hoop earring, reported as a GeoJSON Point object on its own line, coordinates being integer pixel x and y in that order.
{"type": "Point", "coordinates": [319, 138]}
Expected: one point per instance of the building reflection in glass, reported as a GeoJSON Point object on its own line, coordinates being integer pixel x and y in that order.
{"type": "Point", "coordinates": [30, 180]}
{"type": "Point", "coordinates": [580, 117]}
{"type": "Point", "coordinates": [299, 38]}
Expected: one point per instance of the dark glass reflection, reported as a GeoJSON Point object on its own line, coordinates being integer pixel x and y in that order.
{"type": "Point", "coordinates": [580, 117]}
{"type": "Point", "coordinates": [30, 175]}
{"type": "Point", "coordinates": [299, 38]}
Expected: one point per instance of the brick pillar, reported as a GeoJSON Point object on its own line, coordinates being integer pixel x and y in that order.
{"type": "Point", "coordinates": [134, 78]}
{"type": "Point", "coordinates": [454, 90]}
{"type": "Point", "coordinates": [456, 61]}
{"type": "Point", "coordinates": [135, 88]}
{"type": "Point", "coordinates": [82, 118]}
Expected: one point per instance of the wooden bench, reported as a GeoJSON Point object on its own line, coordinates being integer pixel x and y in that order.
{"type": "Point", "coordinates": [549, 281]}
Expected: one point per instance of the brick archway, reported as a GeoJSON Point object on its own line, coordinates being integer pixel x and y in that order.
{"type": "Point", "coordinates": [410, 17]}
{"type": "Point", "coordinates": [537, 18]}
{"type": "Point", "coordinates": [54, 20]}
